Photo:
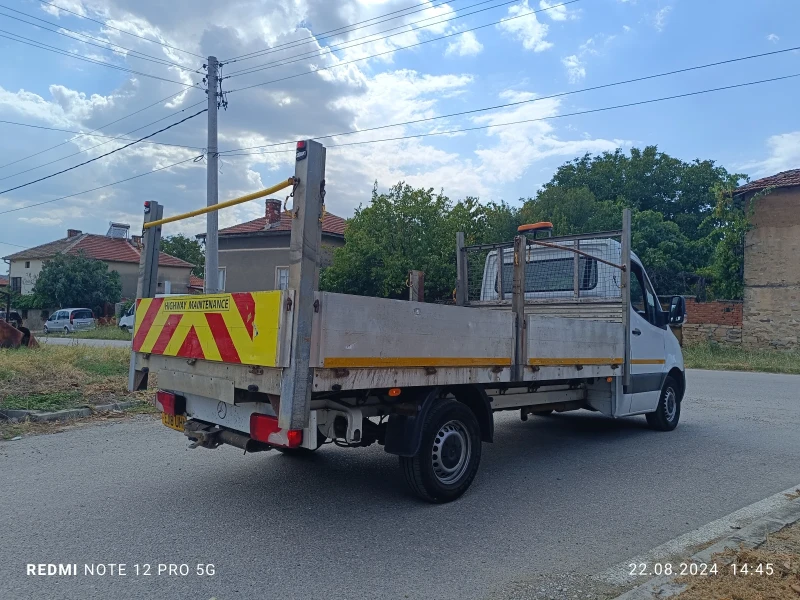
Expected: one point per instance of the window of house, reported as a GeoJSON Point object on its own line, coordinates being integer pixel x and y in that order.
{"type": "Point", "coordinates": [222, 279]}
{"type": "Point", "coordinates": [27, 264]}
{"type": "Point", "coordinates": [16, 284]}
{"type": "Point", "coordinates": [281, 278]}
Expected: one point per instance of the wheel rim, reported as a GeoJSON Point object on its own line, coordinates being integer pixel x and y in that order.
{"type": "Point", "coordinates": [670, 404]}
{"type": "Point", "coordinates": [452, 450]}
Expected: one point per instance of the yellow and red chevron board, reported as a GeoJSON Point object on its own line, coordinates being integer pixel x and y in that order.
{"type": "Point", "coordinates": [232, 328]}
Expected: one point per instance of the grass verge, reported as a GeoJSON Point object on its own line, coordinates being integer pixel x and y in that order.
{"type": "Point", "coordinates": [104, 332]}
{"type": "Point", "coordinates": [57, 377]}
{"type": "Point", "coordinates": [726, 358]}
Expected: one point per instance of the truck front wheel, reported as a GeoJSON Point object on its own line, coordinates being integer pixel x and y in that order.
{"type": "Point", "coordinates": [449, 453]}
{"type": "Point", "coordinates": [668, 413]}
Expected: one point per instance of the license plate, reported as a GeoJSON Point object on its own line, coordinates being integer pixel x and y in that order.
{"type": "Point", "coordinates": [175, 422]}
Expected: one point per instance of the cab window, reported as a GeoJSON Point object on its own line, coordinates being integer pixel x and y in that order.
{"type": "Point", "coordinates": [643, 298]}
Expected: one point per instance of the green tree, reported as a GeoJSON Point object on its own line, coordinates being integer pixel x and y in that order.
{"type": "Point", "coordinates": [407, 229]}
{"type": "Point", "coordinates": [77, 281]}
{"type": "Point", "coordinates": [187, 249]}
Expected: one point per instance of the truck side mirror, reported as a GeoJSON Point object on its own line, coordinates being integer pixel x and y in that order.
{"type": "Point", "coordinates": [677, 310]}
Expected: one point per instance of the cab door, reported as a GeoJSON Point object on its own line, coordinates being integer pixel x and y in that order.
{"type": "Point", "coordinates": [646, 342]}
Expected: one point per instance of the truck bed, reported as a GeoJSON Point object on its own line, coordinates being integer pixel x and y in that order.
{"type": "Point", "coordinates": [213, 344]}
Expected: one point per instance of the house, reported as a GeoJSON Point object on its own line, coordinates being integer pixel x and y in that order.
{"type": "Point", "coordinates": [119, 251]}
{"type": "Point", "coordinates": [255, 255]}
{"type": "Point", "coordinates": [3, 280]}
{"type": "Point", "coordinates": [771, 316]}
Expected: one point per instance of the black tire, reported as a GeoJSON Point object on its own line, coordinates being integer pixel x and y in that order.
{"type": "Point", "coordinates": [449, 454]}
{"type": "Point", "coordinates": [542, 413]}
{"type": "Point", "coordinates": [668, 413]}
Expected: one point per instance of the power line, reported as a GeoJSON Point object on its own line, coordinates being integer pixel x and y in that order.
{"type": "Point", "coordinates": [170, 97]}
{"type": "Point", "coordinates": [195, 158]}
{"type": "Point", "coordinates": [436, 39]}
{"type": "Point", "coordinates": [299, 57]}
{"type": "Point", "coordinates": [130, 52]}
{"type": "Point", "coordinates": [104, 155]}
{"type": "Point", "coordinates": [17, 245]}
{"type": "Point", "coordinates": [121, 137]}
{"type": "Point", "coordinates": [425, 135]}
{"type": "Point", "coordinates": [104, 24]}
{"type": "Point", "coordinates": [43, 46]}
{"type": "Point", "coordinates": [325, 34]}
{"type": "Point", "coordinates": [529, 101]}
{"type": "Point", "coordinates": [573, 114]}
{"type": "Point", "coordinates": [110, 137]}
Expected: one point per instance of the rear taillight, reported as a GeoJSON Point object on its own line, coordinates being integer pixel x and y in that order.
{"type": "Point", "coordinates": [264, 428]}
{"type": "Point", "coordinates": [169, 403]}
{"type": "Point", "coordinates": [71, 317]}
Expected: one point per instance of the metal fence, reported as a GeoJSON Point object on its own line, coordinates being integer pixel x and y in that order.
{"type": "Point", "coordinates": [567, 268]}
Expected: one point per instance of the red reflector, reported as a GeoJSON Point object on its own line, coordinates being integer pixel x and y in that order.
{"type": "Point", "coordinates": [264, 428]}
{"type": "Point", "coordinates": [166, 400]}
{"type": "Point", "coordinates": [301, 145]}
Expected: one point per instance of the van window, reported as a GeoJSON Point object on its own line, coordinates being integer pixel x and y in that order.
{"type": "Point", "coordinates": [553, 275]}
{"type": "Point", "coordinates": [82, 314]}
{"type": "Point", "coordinates": [643, 298]}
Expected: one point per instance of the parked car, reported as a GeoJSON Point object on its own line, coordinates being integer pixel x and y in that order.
{"type": "Point", "coordinates": [14, 318]}
{"type": "Point", "coordinates": [128, 320]}
{"type": "Point", "coordinates": [70, 320]}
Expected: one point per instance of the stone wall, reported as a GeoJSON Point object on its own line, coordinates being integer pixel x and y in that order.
{"type": "Point", "coordinates": [772, 272]}
{"type": "Point", "coordinates": [719, 321]}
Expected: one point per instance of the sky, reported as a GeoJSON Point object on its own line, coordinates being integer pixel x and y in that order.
{"type": "Point", "coordinates": [321, 68]}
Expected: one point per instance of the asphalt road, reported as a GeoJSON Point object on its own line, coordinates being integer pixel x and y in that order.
{"type": "Point", "coordinates": [574, 493]}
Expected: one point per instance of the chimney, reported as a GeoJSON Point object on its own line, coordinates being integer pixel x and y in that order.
{"type": "Point", "coordinates": [273, 213]}
{"type": "Point", "coordinates": [73, 233]}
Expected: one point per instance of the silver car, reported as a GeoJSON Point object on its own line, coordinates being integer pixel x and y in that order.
{"type": "Point", "coordinates": [69, 320]}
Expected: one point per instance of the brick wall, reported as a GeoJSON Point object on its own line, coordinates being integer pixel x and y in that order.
{"type": "Point", "coordinates": [718, 312]}
{"type": "Point", "coordinates": [719, 321]}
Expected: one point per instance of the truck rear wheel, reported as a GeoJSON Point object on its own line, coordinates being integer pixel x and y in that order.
{"type": "Point", "coordinates": [449, 453]}
{"type": "Point", "coordinates": [668, 413]}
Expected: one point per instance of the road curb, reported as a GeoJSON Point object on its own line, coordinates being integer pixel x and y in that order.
{"type": "Point", "coordinates": [67, 414]}
{"type": "Point", "coordinates": [750, 536]}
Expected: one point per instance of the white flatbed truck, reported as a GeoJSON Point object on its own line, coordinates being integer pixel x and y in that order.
{"type": "Point", "coordinates": [567, 323]}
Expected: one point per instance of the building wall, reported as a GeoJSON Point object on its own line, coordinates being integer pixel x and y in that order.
{"type": "Point", "coordinates": [250, 262]}
{"type": "Point", "coordinates": [772, 272]}
{"type": "Point", "coordinates": [719, 321]}
{"type": "Point", "coordinates": [129, 274]}
{"type": "Point", "coordinates": [29, 275]}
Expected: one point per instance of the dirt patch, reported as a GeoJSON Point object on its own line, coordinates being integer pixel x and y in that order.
{"type": "Point", "coordinates": [769, 572]}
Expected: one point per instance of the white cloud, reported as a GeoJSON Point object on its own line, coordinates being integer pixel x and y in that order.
{"type": "Point", "coordinates": [557, 11]}
{"type": "Point", "coordinates": [466, 44]}
{"type": "Point", "coordinates": [660, 18]}
{"type": "Point", "coordinates": [41, 220]}
{"type": "Point", "coordinates": [784, 154]}
{"type": "Point", "coordinates": [773, 38]}
{"type": "Point", "coordinates": [575, 68]}
{"type": "Point", "coordinates": [626, 28]}
{"type": "Point", "coordinates": [524, 26]}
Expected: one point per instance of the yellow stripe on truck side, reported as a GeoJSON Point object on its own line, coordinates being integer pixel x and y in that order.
{"type": "Point", "coordinates": [571, 362]}
{"type": "Point", "coordinates": [338, 362]}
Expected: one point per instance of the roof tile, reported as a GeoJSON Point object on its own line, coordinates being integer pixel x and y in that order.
{"type": "Point", "coordinates": [96, 246]}
{"type": "Point", "coordinates": [330, 224]}
{"type": "Point", "coordinates": [782, 179]}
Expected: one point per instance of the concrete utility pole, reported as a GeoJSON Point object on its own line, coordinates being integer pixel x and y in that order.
{"type": "Point", "coordinates": [212, 182]}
